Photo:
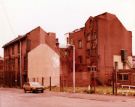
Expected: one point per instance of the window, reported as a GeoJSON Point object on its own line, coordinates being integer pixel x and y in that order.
{"type": "Point", "coordinates": [12, 50]}
{"type": "Point", "coordinates": [19, 64]}
{"type": "Point", "coordinates": [1, 67]}
{"type": "Point", "coordinates": [71, 41]}
{"type": "Point", "coordinates": [93, 52]}
{"type": "Point", "coordinates": [133, 77]}
{"type": "Point", "coordinates": [94, 35]}
{"type": "Point", "coordinates": [79, 43]}
{"type": "Point", "coordinates": [91, 24]}
{"type": "Point", "coordinates": [18, 48]}
{"type": "Point", "coordinates": [7, 51]}
{"type": "Point", "coordinates": [88, 37]}
{"type": "Point", "coordinates": [25, 63]}
{"type": "Point", "coordinates": [28, 45]}
{"type": "Point", "coordinates": [89, 45]}
{"type": "Point", "coordinates": [123, 77]}
{"type": "Point", "coordinates": [80, 59]}
{"type": "Point", "coordinates": [92, 68]}
{"type": "Point", "coordinates": [88, 68]}
{"type": "Point", "coordinates": [88, 52]}
{"type": "Point", "coordinates": [66, 53]}
{"type": "Point", "coordinates": [12, 64]}
{"type": "Point", "coordinates": [94, 44]}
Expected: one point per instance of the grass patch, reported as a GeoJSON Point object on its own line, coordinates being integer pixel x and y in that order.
{"type": "Point", "coordinates": [98, 90]}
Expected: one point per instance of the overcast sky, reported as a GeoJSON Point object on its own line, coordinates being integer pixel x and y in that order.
{"type": "Point", "coordinates": [17, 17]}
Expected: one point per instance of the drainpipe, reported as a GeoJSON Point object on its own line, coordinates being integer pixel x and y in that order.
{"type": "Point", "coordinates": [20, 65]}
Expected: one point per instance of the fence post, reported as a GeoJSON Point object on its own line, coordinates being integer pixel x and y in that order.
{"type": "Point", "coordinates": [113, 79]}
{"type": "Point", "coordinates": [61, 83]}
{"type": "Point", "coordinates": [50, 84]}
{"type": "Point", "coordinates": [42, 80]}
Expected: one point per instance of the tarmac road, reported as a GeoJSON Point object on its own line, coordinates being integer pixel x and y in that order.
{"type": "Point", "coordinates": [11, 97]}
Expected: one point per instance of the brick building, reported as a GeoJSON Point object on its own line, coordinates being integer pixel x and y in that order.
{"type": "Point", "coordinates": [133, 60]}
{"type": "Point", "coordinates": [98, 46]}
{"type": "Point", "coordinates": [126, 77]}
{"type": "Point", "coordinates": [1, 71]}
{"type": "Point", "coordinates": [32, 57]}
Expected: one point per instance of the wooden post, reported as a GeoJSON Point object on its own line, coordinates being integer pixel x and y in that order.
{"type": "Point", "coordinates": [113, 80]}
{"type": "Point", "coordinates": [50, 84]}
{"type": "Point", "coordinates": [116, 69]}
{"type": "Point", "coordinates": [61, 83]}
{"type": "Point", "coordinates": [42, 80]}
{"type": "Point", "coordinates": [94, 82]}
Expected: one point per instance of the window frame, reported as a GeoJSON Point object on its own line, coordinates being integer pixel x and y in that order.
{"type": "Point", "coordinates": [80, 44]}
{"type": "Point", "coordinates": [123, 76]}
{"type": "Point", "coordinates": [80, 59]}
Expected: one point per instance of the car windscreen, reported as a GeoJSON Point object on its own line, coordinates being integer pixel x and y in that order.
{"type": "Point", "coordinates": [35, 84]}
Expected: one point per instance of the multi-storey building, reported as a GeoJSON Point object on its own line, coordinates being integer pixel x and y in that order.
{"type": "Point", "coordinates": [98, 46]}
{"type": "Point", "coordinates": [1, 71]}
{"type": "Point", "coordinates": [133, 61]}
{"type": "Point", "coordinates": [32, 57]}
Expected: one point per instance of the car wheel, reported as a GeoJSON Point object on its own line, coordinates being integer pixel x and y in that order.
{"type": "Point", "coordinates": [33, 91]}
{"type": "Point", "coordinates": [42, 91]}
{"type": "Point", "coordinates": [24, 90]}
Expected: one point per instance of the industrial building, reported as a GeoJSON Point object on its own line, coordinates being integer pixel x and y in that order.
{"type": "Point", "coordinates": [101, 46]}
{"type": "Point", "coordinates": [32, 57]}
{"type": "Point", "coordinates": [98, 47]}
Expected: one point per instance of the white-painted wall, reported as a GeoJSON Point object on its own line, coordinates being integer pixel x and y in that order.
{"type": "Point", "coordinates": [117, 58]}
{"type": "Point", "coordinates": [44, 62]}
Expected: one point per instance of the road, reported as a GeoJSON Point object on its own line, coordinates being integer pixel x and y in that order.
{"type": "Point", "coordinates": [10, 97]}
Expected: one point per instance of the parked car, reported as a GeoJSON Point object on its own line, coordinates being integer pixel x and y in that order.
{"type": "Point", "coordinates": [33, 87]}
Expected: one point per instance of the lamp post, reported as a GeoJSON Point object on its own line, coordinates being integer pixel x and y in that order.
{"type": "Point", "coordinates": [73, 66]}
{"type": "Point", "coordinates": [114, 77]}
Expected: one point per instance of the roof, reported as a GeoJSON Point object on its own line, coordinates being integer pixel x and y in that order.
{"type": "Point", "coordinates": [106, 15]}
{"type": "Point", "coordinates": [19, 38]}
{"type": "Point", "coordinates": [76, 30]}
{"type": "Point", "coordinates": [110, 16]}
{"type": "Point", "coordinates": [1, 58]}
{"type": "Point", "coordinates": [13, 41]}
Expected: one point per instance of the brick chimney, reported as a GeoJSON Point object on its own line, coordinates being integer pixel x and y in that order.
{"type": "Point", "coordinates": [57, 42]}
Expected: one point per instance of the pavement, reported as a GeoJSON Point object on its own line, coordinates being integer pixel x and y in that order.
{"type": "Point", "coordinates": [12, 97]}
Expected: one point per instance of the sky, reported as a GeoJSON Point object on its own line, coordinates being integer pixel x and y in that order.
{"type": "Point", "coordinates": [17, 17]}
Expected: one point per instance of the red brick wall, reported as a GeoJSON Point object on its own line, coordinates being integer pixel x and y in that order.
{"type": "Point", "coordinates": [131, 77]}
{"type": "Point", "coordinates": [76, 36]}
{"type": "Point", "coordinates": [1, 72]}
{"type": "Point", "coordinates": [31, 40]}
{"type": "Point", "coordinates": [111, 38]}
